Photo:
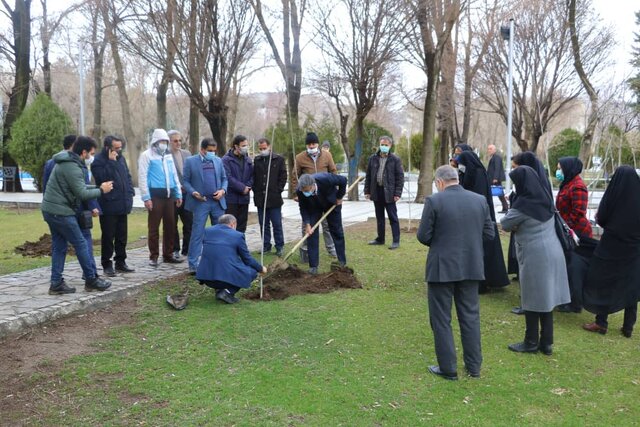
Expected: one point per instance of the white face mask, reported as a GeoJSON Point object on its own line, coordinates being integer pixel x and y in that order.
{"type": "Point", "coordinates": [312, 150]}
{"type": "Point", "coordinates": [462, 168]}
{"type": "Point", "coordinates": [162, 148]}
{"type": "Point", "coordinates": [89, 160]}
{"type": "Point", "coordinates": [243, 150]}
{"type": "Point", "coordinates": [265, 152]}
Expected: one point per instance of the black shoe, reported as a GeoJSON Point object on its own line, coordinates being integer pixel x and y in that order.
{"type": "Point", "coordinates": [472, 374]}
{"type": "Point", "coordinates": [376, 242]}
{"type": "Point", "coordinates": [109, 271]}
{"type": "Point", "coordinates": [626, 332]}
{"type": "Point", "coordinates": [447, 376]}
{"type": "Point", "coordinates": [524, 347]}
{"type": "Point", "coordinates": [96, 284]}
{"type": "Point", "coordinates": [280, 252]}
{"type": "Point", "coordinates": [517, 310]}
{"type": "Point", "coordinates": [225, 295]}
{"type": "Point", "coordinates": [124, 268]}
{"type": "Point", "coordinates": [173, 260]}
{"type": "Point", "coordinates": [394, 245]}
{"type": "Point", "coordinates": [61, 289]}
{"type": "Point", "coordinates": [153, 262]}
{"type": "Point", "coordinates": [313, 271]}
{"type": "Point", "coordinates": [546, 349]}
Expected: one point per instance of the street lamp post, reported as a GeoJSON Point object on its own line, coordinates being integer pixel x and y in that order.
{"type": "Point", "coordinates": [81, 65]}
{"type": "Point", "coordinates": [508, 34]}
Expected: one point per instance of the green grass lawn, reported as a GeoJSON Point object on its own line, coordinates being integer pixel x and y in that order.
{"type": "Point", "coordinates": [352, 358]}
{"type": "Point", "coordinates": [19, 226]}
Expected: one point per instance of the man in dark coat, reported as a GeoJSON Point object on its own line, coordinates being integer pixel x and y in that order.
{"type": "Point", "coordinates": [495, 172]}
{"type": "Point", "coordinates": [454, 224]}
{"type": "Point", "coordinates": [269, 179]}
{"type": "Point", "coordinates": [316, 195]}
{"type": "Point", "coordinates": [110, 165]}
{"type": "Point", "coordinates": [239, 169]}
{"type": "Point", "coordinates": [226, 263]}
{"type": "Point", "coordinates": [180, 156]}
{"type": "Point", "coordinates": [383, 184]}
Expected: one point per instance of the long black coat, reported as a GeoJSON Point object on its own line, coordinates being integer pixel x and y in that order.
{"type": "Point", "coordinates": [495, 169]}
{"type": "Point", "coordinates": [118, 201]}
{"type": "Point", "coordinates": [393, 178]}
{"type": "Point", "coordinates": [277, 180]}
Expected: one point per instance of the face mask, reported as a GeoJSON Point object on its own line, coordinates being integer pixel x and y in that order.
{"type": "Point", "coordinates": [462, 168]}
{"type": "Point", "coordinates": [88, 161]}
{"type": "Point", "coordinates": [265, 152]}
{"type": "Point", "coordinates": [559, 175]}
{"type": "Point", "coordinates": [162, 148]}
{"type": "Point", "coordinates": [312, 151]}
{"type": "Point", "coordinates": [243, 150]}
{"type": "Point", "coordinates": [384, 149]}
{"type": "Point", "coordinates": [209, 155]}
{"type": "Point", "coordinates": [307, 193]}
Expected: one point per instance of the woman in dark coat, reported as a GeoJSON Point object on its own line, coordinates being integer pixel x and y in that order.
{"type": "Point", "coordinates": [473, 177]}
{"type": "Point", "coordinates": [613, 279]}
{"type": "Point", "coordinates": [543, 273]}
{"type": "Point", "coordinates": [572, 201]}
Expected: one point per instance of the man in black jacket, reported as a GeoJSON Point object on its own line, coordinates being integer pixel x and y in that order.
{"type": "Point", "coordinates": [383, 185]}
{"type": "Point", "coordinates": [269, 179]}
{"type": "Point", "coordinates": [495, 173]}
{"type": "Point", "coordinates": [110, 165]}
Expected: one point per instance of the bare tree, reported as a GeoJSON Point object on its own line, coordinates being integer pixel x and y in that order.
{"type": "Point", "coordinates": [363, 54]}
{"type": "Point", "coordinates": [433, 21]}
{"type": "Point", "coordinates": [20, 49]}
{"type": "Point", "coordinates": [544, 74]}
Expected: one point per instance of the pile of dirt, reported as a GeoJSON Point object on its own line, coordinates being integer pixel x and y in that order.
{"type": "Point", "coordinates": [294, 281]}
{"type": "Point", "coordinates": [42, 247]}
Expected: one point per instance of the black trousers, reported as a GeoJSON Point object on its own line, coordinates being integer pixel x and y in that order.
{"type": "Point", "coordinates": [630, 316]}
{"type": "Point", "coordinates": [219, 285]}
{"type": "Point", "coordinates": [114, 237]}
{"type": "Point", "coordinates": [241, 212]}
{"type": "Point", "coordinates": [538, 323]}
{"type": "Point", "coordinates": [392, 212]}
{"type": "Point", "coordinates": [187, 222]}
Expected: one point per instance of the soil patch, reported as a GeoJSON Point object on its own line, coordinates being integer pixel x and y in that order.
{"type": "Point", "coordinates": [42, 247]}
{"type": "Point", "coordinates": [294, 281]}
{"type": "Point", "coordinates": [31, 360]}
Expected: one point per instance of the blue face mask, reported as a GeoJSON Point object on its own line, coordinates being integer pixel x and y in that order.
{"type": "Point", "coordinates": [210, 155]}
{"type": "Point", "coordinates": [384, 149]}
{"type": "Point", "coordinates": [559, 175]}
{"type": "Point", "coordinates": [307, 193]}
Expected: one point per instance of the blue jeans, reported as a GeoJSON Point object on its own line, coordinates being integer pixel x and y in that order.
{"type": "Point", "coordinates": [337, 233]}
{"type": "Point", "coordinates": [273, 217]}
{"type": "Point", "coordinates": [65, 230]}
{"type": "Point", "coordinates": [210, 209]}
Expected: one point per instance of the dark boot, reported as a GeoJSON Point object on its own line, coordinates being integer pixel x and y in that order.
{"type": "Point", "coordinates": [96, 284]}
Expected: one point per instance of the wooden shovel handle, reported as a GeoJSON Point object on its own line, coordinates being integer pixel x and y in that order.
{"type": "Point", "coordinates": [317, 224]}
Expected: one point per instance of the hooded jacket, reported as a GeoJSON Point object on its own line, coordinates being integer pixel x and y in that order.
{"type": "Point", "coordinates": [66, 188]}
{"type": "Point", "coordinates": [157, 175]}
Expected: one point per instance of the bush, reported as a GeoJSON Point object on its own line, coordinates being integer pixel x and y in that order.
{"type": "Point", "coordinates": [372, 131]}
{"type": "Point", "coordinates": [37, 135]}
{"type": "Point", "coordinates": [416, 151]}
{"type": "Point", "coordinates": [566, 143]}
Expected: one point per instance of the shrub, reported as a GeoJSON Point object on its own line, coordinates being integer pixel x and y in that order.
{"type": "Point", "coordinates": [566, 143]}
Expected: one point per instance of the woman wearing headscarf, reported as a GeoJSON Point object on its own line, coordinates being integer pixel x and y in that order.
{"type": "Point", "coordinates": [543, 274]}
{"type": "Point", "coordinates": [473, 177]}
{"type": "Point", "coordinates": [526, 158]}
{"type": "Point", "coordinates": [571, 202]}
{"type": "Point", "coordinates": [613, 279]}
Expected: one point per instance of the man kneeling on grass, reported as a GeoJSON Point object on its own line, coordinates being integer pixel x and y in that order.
{"type": "Point", "coordinates": [226, 264]}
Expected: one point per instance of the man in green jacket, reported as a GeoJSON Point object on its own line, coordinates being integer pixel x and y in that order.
{"type": "Point", "coordinates": [65, 191]}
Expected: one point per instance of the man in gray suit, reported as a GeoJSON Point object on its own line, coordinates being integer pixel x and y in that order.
{"type": "Point", "coordinates": [454, 223]}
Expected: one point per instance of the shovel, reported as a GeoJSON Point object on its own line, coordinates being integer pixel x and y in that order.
{"type": "Point", "coordinates": [281, 264]}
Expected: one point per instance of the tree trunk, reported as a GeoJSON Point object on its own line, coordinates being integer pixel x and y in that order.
{"type": "Point", "coordinates": [194, 128]}
{"type": "Point", "coordinates": [98, 72]}
{"type": "Point", "coordinates": [21, 23]}
{"type": "Point", "coordinates": [217, 118]}
{"type": "Point", "coordinates": [425, 178]}
{"type": "Point", "coordinates": [161, 102]}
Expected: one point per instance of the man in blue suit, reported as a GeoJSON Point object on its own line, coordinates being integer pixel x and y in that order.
{"type": "Point", "coordinates": [205, 183]}
{"type": "Point", "coordinates": [226, 263]}
{"type": "Point", "coordinates": [316, 194]}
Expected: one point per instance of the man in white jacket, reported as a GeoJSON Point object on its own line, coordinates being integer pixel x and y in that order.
{"type": "Point", "coordinates": [160, 187]}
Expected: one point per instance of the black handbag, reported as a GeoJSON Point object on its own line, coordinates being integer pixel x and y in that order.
{"type": "Point", "coordinates": [565, 234]}
{"type": "Point", "coordinates": [85, 219]}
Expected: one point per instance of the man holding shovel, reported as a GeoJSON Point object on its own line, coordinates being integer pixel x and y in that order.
{"type": "Point", "coordinates": [316, 195]}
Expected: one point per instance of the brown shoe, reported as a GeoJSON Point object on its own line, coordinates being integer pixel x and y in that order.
{"type": "Point", "coordinates": [594, 327]}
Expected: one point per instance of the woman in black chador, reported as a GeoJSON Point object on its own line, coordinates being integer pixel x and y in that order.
{"type": "Point", "coordinates": [473, 177]}
{"type": "Point", "coordinates": [613, 278]}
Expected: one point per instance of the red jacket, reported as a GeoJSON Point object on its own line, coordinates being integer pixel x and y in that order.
{"type": "Point", "coordinates": [571, 202]}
